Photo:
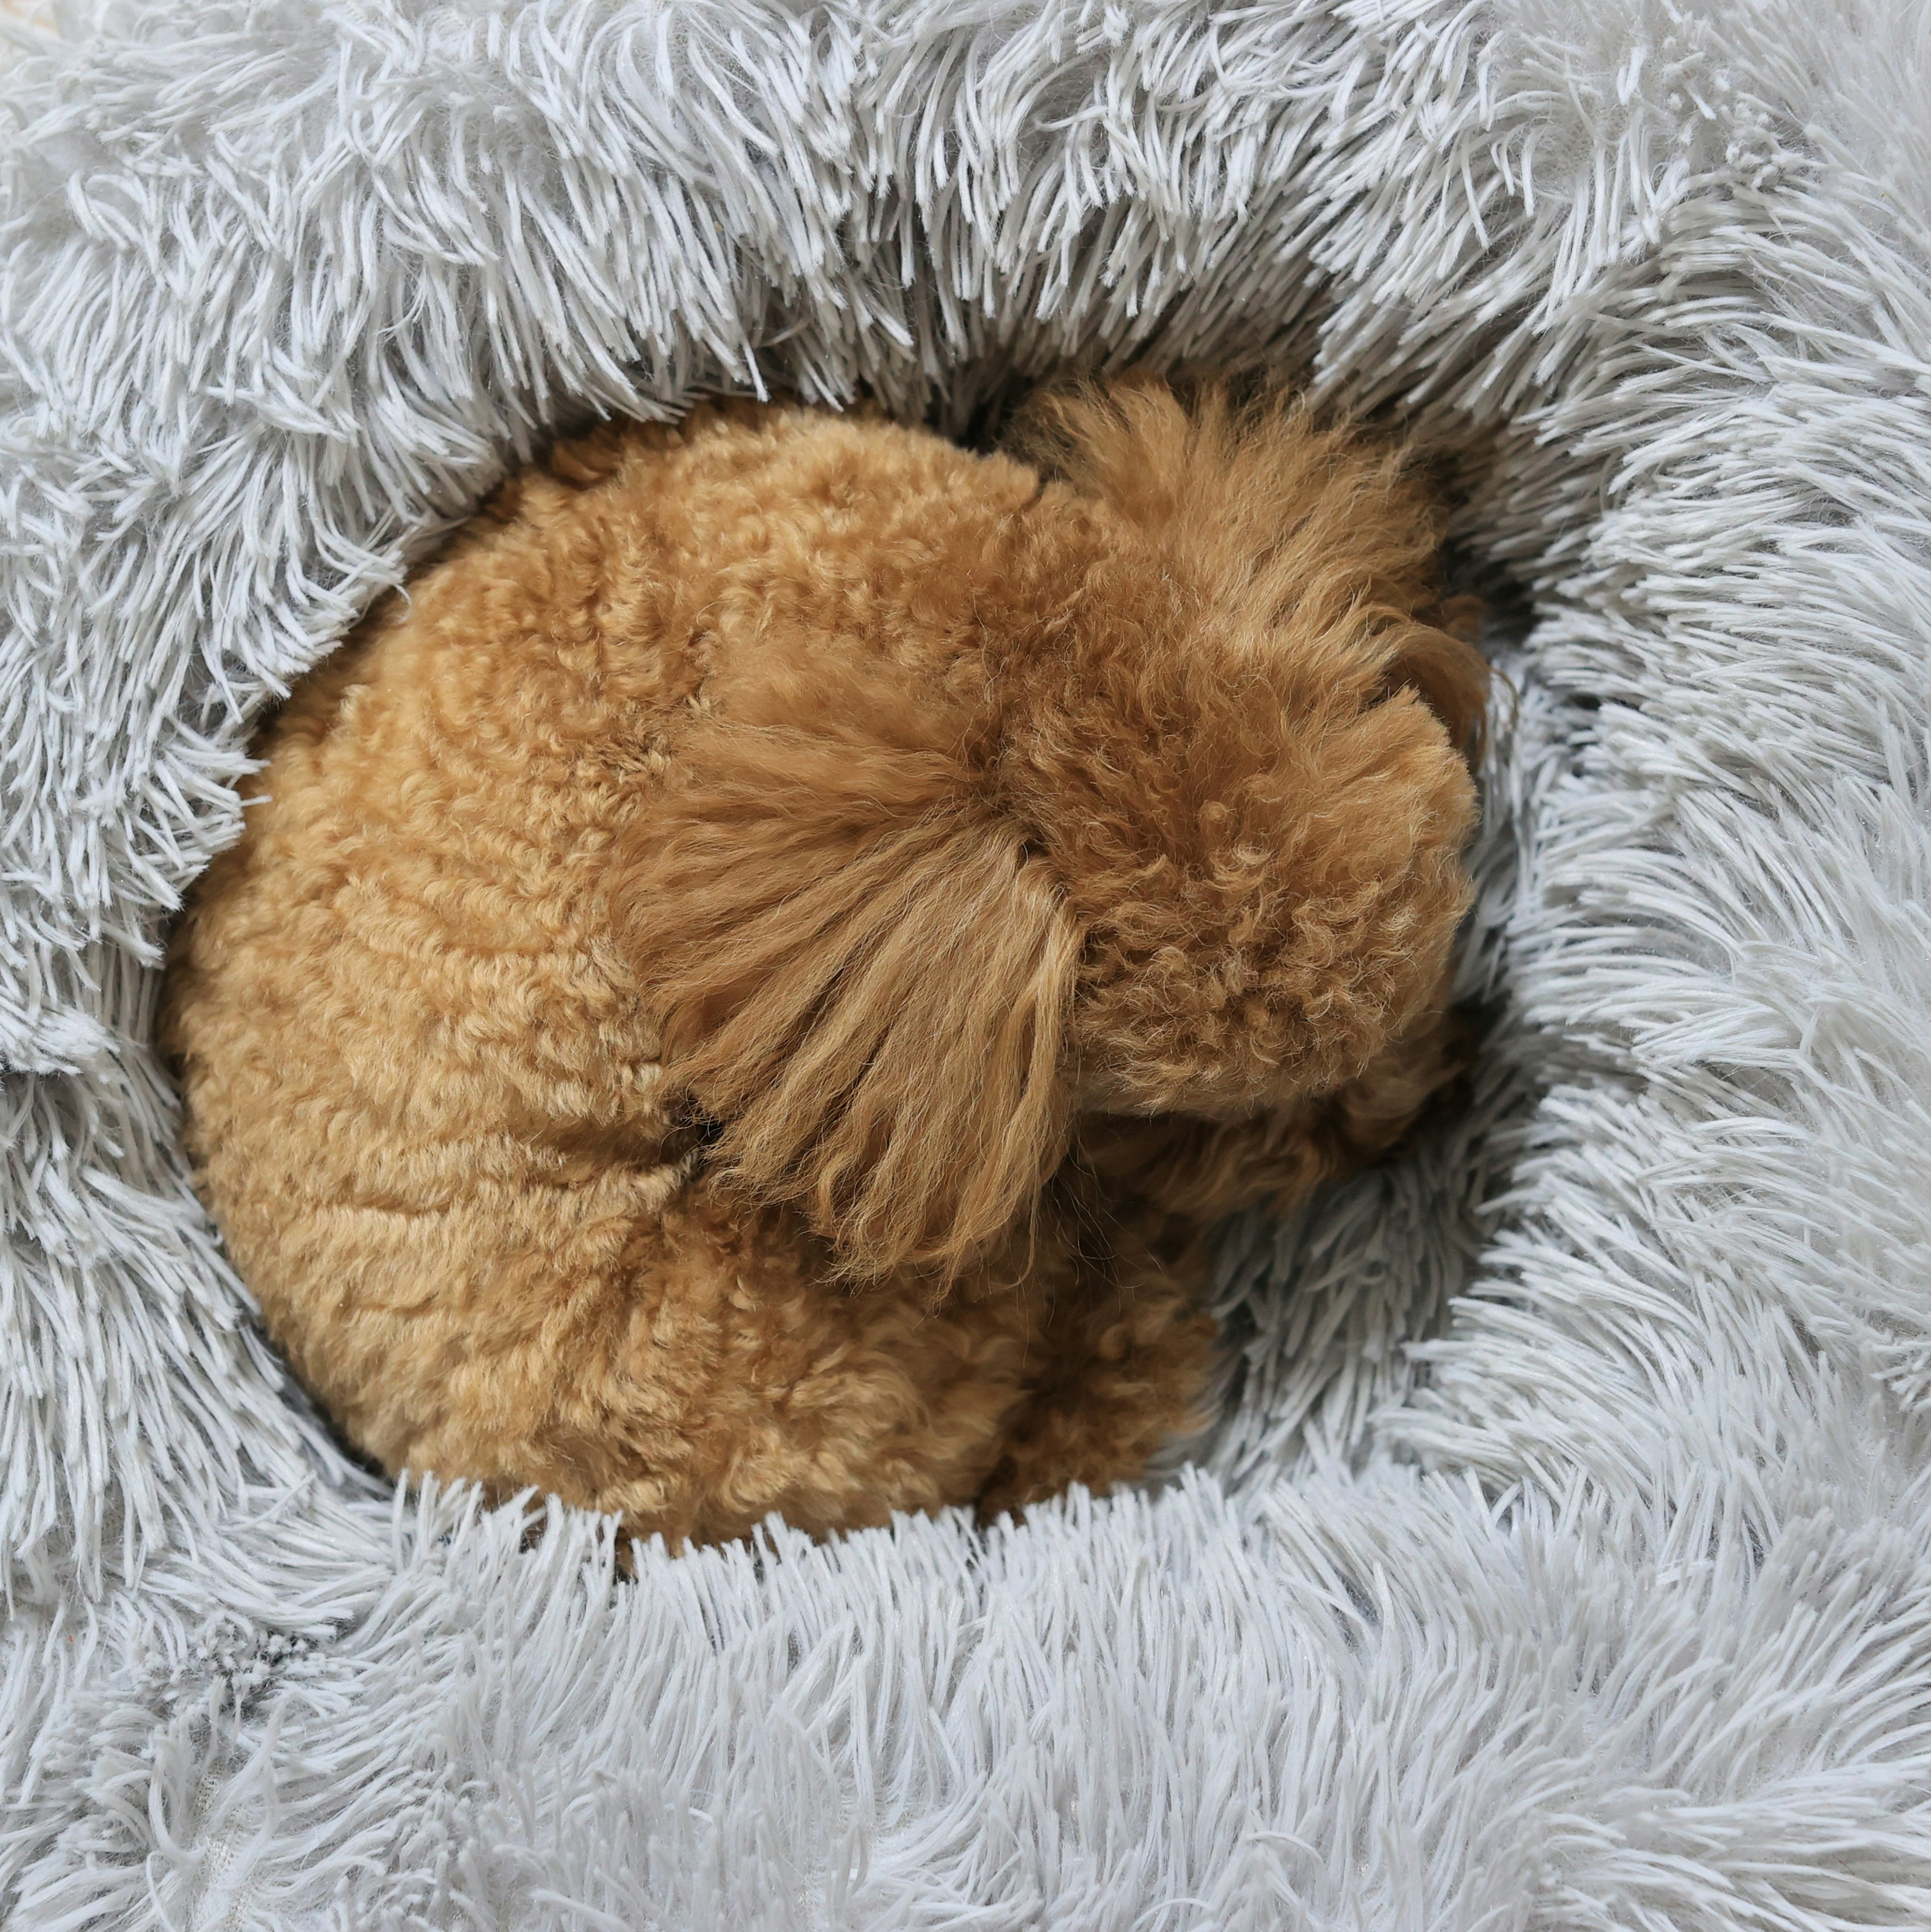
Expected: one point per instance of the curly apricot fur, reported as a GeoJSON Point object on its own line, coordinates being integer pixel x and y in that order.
{"type": "Point", "coordinates": [741, 993]}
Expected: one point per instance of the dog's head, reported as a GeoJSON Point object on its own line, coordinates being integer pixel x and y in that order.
{"type": "Point", "coordinates": [1166, 816]}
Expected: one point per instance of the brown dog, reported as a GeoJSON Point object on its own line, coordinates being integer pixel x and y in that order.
{"type": "Point", "coordinates": [740, 993]}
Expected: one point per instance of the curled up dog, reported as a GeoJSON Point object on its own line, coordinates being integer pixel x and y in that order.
{"type": "Point", "coordinates": [745, 991]}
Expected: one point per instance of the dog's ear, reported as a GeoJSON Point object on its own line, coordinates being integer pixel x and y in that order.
{"type": "Point", "coordinates": [864, 976]}
{"type": "Point", "coordinates": [1443, 669]}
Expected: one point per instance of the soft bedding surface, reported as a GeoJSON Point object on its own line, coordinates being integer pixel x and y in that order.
{"type": "Point", "coordinates": [1559, 1556]}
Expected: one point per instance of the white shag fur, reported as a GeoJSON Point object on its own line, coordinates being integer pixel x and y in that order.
{"type": "Point", "coordinates": [1562, 1556]}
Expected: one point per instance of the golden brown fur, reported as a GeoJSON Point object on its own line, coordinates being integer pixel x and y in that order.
{"type": "Point", "coordinates": [741, 992]}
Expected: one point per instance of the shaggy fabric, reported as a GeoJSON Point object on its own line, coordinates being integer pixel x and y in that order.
{"type": "Point", "coordinates": [1562, 1555]}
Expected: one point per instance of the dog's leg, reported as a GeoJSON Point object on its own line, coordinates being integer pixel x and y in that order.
{"type": "Point", "coordinates": [1123, 1351]}
{"type": "Point", "coordinates": [1206, 1170]}
{"type": "Point", "coordinates": [1419, 1078]}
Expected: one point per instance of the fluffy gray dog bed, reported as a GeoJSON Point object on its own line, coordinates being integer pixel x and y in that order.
{"type": "Point", "coordinates": [1560, 1558]}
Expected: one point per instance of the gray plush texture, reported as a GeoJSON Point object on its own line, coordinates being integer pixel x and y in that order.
{"type": "Point", "coordinates": [1559, 1558]}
